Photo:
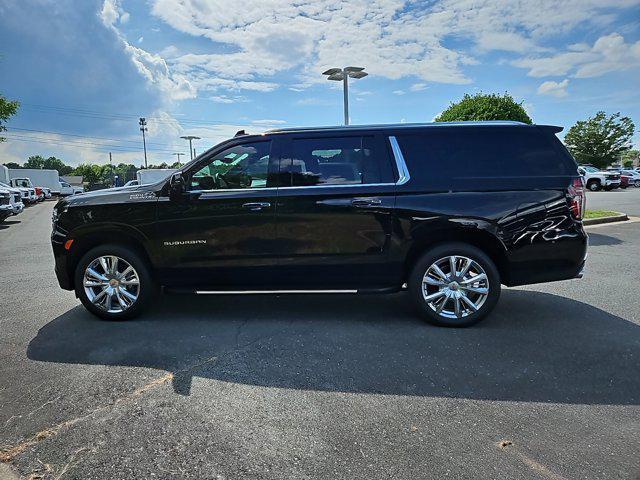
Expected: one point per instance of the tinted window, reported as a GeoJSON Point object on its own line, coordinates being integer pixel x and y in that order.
{"type": "Point", "coordinates": [333, 161]}
{"type": "Point", "coordinates": [241, 166]}
{"type": "Point", "coordinates": [465, 153]}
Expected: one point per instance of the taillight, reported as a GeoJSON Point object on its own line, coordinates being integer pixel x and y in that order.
{"type": "Point", "coordinates": [577, 197]}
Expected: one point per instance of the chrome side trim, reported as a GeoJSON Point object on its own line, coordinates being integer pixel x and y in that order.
{"type": "Point", "coordinates": [403, 171]}
{"type": "Point", "coordinates": [270, 292]}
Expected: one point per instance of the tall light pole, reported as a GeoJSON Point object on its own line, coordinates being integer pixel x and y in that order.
{"type": "Point", "coordinates": [342, 75]}
{"type": "Point", "coordinates": [178, 155]}
{"type": "Point", "coordinates": [143, 128]}
{"type": "Point", "coordinates": [190, 138]}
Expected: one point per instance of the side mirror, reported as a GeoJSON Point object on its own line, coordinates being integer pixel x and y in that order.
{"type": "Point", "coordinates": [176, 185]}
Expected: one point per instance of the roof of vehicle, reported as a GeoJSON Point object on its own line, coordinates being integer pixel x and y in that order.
{"type": "Point", "coordinates": [394, 126]}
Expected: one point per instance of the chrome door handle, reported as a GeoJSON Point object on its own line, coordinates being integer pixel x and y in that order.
{"type": "Point", "coordinates": [256, 206]}
{"type": "Point", "coordinates": [365, 202]}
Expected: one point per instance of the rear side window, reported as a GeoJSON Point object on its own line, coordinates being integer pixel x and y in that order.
{"type": "Point", "coordinates": [463, 153]}
{"type": "Point", "coordinates": [333, 161]}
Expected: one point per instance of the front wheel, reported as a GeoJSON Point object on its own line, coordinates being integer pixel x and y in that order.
{"type": "Point", "coordinates": [594, 185]}
{"type": "Point", "coordinates": [454, 285]}
{"type": "Point", "coordinates": [113, 282]}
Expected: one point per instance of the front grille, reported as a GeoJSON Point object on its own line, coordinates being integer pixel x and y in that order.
{"type": "Point", "coordinates": [4, 200]}
{"type": "Point", "coordinates": [613, 177]}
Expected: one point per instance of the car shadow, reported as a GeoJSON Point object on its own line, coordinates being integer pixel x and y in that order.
{"type": "Point", "coordinates": [599, 240]}
{"type": "Point", "coordinates": [535, 347]}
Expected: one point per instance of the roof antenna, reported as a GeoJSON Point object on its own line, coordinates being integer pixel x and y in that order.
{"type": "Point", "coordinates": [239, 133]}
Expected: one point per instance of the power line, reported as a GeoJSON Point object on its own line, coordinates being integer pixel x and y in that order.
{"type": "Point", "coordinates": [69, 143]}
{"type": "Point", "coordinates": [136, 142]}
{"type": "Point", "coordinates": [71, 111]}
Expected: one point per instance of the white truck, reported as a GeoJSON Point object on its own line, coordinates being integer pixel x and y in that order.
{"type": "Point", "coordinates": [67, 189]}
{"type": "Point", "coordinates": [38, 177]}
{"type": "Point", "coordinates": [153, 175]}
{"type": "Point", "coordinates": [596, 179]}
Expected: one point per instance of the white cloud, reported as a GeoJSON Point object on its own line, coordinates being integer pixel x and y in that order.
{"type": "Point", "coordinates": [140, 39]}
{"type": "Point", "coordinates": [418, 87]}
{"type": "Point", "coordinates": [275, 40]}
{"type": "Point", "coordinates": [268, 122]}
{"type": "Point", "coordinates": [554, 89]}
{"type": "Point", "coordinates": [151, 66]}
{"type": "Point", "coordinates": [398, 92]}
{"type": "Point", "coordinates": [609, 53]}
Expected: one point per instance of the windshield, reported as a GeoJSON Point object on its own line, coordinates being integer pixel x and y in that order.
{"type": "Point", "coordinates": [22, 182]}
{"type": "Point", "coordinates": [591, 169]}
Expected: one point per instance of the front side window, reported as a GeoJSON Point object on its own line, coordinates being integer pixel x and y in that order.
{"type": "Point", "coordinates": [331, 161]}
{"type": "Point", "coordinates": [241, 166]}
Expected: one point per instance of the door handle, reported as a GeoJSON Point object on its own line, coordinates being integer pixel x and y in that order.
{"type": "Point", "coordinates": [365, 202]}
{"type": "Point", "coordinates": [256, 206]}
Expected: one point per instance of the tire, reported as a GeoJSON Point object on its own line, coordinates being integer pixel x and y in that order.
{"type": "Point", "coordinates": [637, 183]}
{"type": "Point", "coordinates": [623, 186]}
{"type": "Point", "coordinates": [122, 305]}
{"type": "Point", "coordinates": [448, 317]}
{"type": "Point", "coordinates": [594, 185]}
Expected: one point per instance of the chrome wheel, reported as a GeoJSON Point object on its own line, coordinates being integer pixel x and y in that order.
{"type": "Point", "coordinates": [455, 286]}
{"type": "Point", "coordinates": [111, 284]}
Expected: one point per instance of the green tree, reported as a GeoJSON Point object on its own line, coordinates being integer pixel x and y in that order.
{"type": "Point", "coordinates": [629, 157]}
{"type": "Point", "coordinates": [12, 165]}
{"type": "Point", "coordinates": [8, 109]}
{"type": "Point", "coordinates": [51, 163]}
{"type": "Point", "coordinates": [601, 139]}
{"type": "Point", "coordinates": [483, 106]}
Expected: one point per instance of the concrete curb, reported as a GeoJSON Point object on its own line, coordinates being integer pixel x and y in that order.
{"type": "Point", "coordinates": [620, 217]}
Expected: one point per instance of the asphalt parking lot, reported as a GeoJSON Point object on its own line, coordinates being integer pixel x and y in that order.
{"type": "Point", "coordinates": [322, 386]}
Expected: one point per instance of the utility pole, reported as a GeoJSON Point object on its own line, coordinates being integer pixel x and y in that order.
{"type": "Point", "coordinates": [190, 138]}
{"type": "Point", "coordinates": [178, 155]}
{"type": "Point", "coordinates": [143, 128]}
{"type": "Point", "coordinates": [343, 74]}
{"type": "Point", "coordinates": [111, 168]}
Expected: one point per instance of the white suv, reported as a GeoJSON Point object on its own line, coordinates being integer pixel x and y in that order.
{"type": "Point", "coordinates": [596, 179]}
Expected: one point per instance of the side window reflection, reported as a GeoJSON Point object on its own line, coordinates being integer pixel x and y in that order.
{"type": "Point", "coordinates": [241, 166]}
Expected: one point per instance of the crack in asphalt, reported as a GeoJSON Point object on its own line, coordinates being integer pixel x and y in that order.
{"type": "Point", "coordinates": [539, 468]}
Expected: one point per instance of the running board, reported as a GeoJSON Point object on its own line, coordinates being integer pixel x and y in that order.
{"type": "Point", "coordinates": [175, 290]}
{"type": "Point", "coordinates": [269, 292]}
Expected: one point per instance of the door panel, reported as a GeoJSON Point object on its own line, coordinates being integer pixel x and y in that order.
{"type": "Point", "coordinates": [335, 230]}
{"type": "Point", "coordinates": [221, 236]}
{"type": "Point", "coordinates": [335, 236]}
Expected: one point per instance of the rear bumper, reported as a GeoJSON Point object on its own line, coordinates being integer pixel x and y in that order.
{"type": "Point", "coordinates": [558, 258]}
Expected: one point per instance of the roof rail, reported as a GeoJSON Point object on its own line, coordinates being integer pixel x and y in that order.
{"type": "Point", "coordinates": [400, 125]}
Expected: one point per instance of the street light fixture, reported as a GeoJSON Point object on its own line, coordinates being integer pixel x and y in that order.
{"type": "Point", "coordinates": [190, 138]}
{"type": "Point", "coordinates": [342, 75]}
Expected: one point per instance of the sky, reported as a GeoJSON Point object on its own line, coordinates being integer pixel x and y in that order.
{"type": "Point", "coordinates": [86, 70]}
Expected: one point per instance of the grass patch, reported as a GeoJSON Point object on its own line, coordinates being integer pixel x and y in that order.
{"type": "Point", "coordinates": [599, 213]}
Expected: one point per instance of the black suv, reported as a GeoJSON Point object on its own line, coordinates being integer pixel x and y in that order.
{"type": "Point", "coordinates": [448, 211]}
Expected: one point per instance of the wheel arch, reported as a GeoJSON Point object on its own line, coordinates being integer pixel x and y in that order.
{"type": "Point", "coordinates": [485, 241]}
{"type": "Point", "coordinates": [120, 235]}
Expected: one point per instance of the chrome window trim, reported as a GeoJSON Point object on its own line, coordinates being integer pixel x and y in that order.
{"type": "Point", "coordinates": [401, 165]}
{"type": "Point", "coordinates": [403, 171]}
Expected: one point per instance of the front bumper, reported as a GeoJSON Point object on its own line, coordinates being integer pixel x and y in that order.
{"type": "Point", "coordinates": [18, 208]}
{"type": "Point", "coordinates": [612, 183]}
{"type": "Point", "coordinates": [5, 211]}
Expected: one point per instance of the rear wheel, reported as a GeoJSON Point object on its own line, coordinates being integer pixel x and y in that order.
{"type": "Point", "coordinates": [113, 282]}
{"type": "Point", "coordinates": [454, 285]}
